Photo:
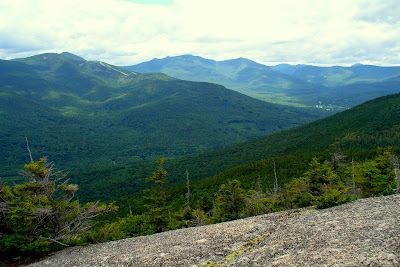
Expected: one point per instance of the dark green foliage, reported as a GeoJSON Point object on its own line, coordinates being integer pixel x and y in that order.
{"type": "Point", "coordinates": [219, 198]}
{"type": "Point", "coordinates": [128, 226]}
{"type": "Point", "coordinates": [90, 115]}
{"type": "Point", "coordinates": [156, 199]}
{"type": "Point", "coordinates": [325, 186]}
{"type": "Point", "coordinates": [376, 177]}
{"type": "Point", "coordinates": [230, 201]}
{"type": "Point", "coordinates": [320, 175]}
{"type": "Point", "coordinates": [373, 124]}
{"type": "Point", "coordinates": [40, 215]}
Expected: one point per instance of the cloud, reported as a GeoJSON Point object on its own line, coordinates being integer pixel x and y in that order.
{"type": "Point", "coordinates": [123, 33]}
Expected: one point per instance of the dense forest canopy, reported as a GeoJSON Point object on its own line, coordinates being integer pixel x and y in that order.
{"type": "Point", "coordinates": [92, 115]}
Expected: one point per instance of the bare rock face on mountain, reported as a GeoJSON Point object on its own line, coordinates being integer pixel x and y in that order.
{"type": "Point", "coordinates": [363, 233]}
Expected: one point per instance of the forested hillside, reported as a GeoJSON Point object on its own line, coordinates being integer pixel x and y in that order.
{"type": "Point", "coordinates": [373, 124]}
{"type": "Point", "coordinates": [91, 115]}
{"type": "Point", "coordinates": [350, 155]}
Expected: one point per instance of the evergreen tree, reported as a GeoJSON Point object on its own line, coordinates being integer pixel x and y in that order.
{"type": "Point", "coordinates": [38, 215]}
{"type": "Point", "coordinates": [376, 177]}
{"type": "Point", "coordinates": [230, 201]}
{"type": "Point", "coordinates": [156, 197]}
{"type": "Point", "coordinates": [325, 185]}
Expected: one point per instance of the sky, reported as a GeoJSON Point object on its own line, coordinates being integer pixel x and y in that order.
{"type": "Point", "coordinates": [128, 32]}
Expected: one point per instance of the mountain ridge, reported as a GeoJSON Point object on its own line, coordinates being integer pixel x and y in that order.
{"type": "Point", "coordinates": [297, 85]}
{"type": "Point", "coordinates": [79, 112]}
{"type": "Point", "coordinates": [242, 75]}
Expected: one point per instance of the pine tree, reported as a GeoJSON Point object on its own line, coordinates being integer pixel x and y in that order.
{"type": "Point", "coordinates": [42, 213]}
{"type": "Point", "coordinates": [376, 177]}
{"type": "Point", "coordinates": [156, 197]}
{"type": "Point", "coordinates": [230, 201]}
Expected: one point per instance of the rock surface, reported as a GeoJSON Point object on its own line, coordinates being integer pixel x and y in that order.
{"type": "Point", "coordinates": [363, 233]}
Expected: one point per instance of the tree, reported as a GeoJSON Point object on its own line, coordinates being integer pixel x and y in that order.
{"type": "Point", "coordinates": [40, 213]}
{"type": "Point", "coordinates": [320, 186]}
{"type": "Point", "coordinates": [376, 177]}
{"type": "Point", "coordinates": [188, 191]}
{"type": "Point", "coordinates": [296, 194]}
{"type": "Point", "coordinates": [337, 160]}
{"type": "Point", "coordinates": [395, 162]}
{"type": "Point", "coordinates": [156, 197]}
{"type": "Point", "coordinates": [230, 202]}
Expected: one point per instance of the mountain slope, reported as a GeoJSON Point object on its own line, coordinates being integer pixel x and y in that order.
{"type": "Point", "coordinates": [355, 94]}
{"type": "Point", "coordinates": [361, 233]}
{"type": "Point", "coordinates": [90, 114]}
{"type": "Point", "coordinates": [373, 124]}
{"type": "Point", "coordinates": [242, 75]}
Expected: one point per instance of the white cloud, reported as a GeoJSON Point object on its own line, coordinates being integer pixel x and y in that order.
{"type": "Point", "coordinates": [120, 32]}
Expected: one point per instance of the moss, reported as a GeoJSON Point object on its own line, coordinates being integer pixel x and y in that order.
{"type": "Point", "coordinates": [246, 246]}
{"type": "Point", "coordinates": [250, 244]}
{"type": "Point", "coordinates": [295, 214]}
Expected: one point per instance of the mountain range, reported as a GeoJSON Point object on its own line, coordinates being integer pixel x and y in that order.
{"type": "Point", "coordinates": [338, 75]}
{"type": "Point", "coordinates": [242, 75]}
{"type": "Point", "coordinates": [333, 87]}
{"type": "Point", "coordinates": [105, 123]}
{"type": "Point", "coordinates": [90, 114]}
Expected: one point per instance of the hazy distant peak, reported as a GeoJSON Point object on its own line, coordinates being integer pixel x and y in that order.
{"type": "Point", "coordinates": [72, 56]}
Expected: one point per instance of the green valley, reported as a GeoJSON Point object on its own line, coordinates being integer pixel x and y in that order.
{"type": "Point", "coordinates": [88, 115]}
{"type": "Point", "coordinates": [373, 124]}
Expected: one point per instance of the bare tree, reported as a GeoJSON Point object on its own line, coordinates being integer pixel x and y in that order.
{"type": "Point", "coordinates": [27, 146]}
{"type": "Point", "coordinates": [353, 177]}
{"type": "Point", "coordinates": [188, 191]}
{"type": "Point", "coordinates": [395, 162]}
{"type": "Point", "coordinates": [275, 182]}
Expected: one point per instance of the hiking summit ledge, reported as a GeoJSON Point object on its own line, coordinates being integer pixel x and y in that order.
{"type": "Point", "coordinates": [362, 233]}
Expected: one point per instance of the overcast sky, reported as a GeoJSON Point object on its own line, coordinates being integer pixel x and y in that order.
{"type": "Point", "coordinates": [123, 32]}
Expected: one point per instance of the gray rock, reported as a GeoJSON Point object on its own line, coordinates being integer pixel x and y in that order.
{"type": "Point", "coordinates": [363, 233]}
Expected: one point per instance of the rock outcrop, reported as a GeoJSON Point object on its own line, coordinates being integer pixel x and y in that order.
{"type": "Point", "coordinates": [362, 233]}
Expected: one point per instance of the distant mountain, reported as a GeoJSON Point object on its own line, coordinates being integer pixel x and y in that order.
{"type": "Point", "coordinates": [298, 85]}
{"type": "Point", "coordinates": [355, 94]}
{"type": "Point", "coordinates": [338, 75]}
{"type": "Point", "coordinates": [394, 79]}
{"type": "Point", "coordinates": [328, 76]}
{"type": "Point", "coordinates": [90, 114]}
{"type": "Point", "coordinates": [374, 72]}
{"type": "Point", "coordinates": [287, 68]}
{"type": "Point", "coordinates": [242, 75]}
{"type": "Point", "coordinates": [373, 124]}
